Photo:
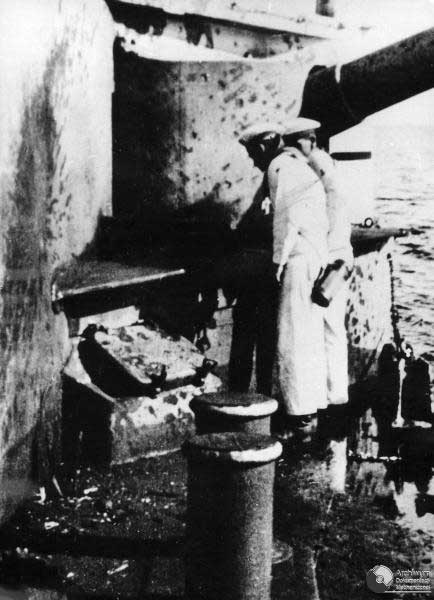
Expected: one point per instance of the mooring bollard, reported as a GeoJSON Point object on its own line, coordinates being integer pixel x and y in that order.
{"type": "Point", "coordinates": [233, 411]}
{"type": "Point", "coordinates": [243, 412]}
{"type": "Point", "coordinates": [230, 516]}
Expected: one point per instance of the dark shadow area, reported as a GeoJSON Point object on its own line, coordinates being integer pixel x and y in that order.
{"type": "Point", "coordinates": [424, 504]}
{"type": "Point", "coordinates": [86, 435]}
{"type": "Point", "coordinates": [140, 18]}
{"type": "Point", "coordinates": [76, 544]}
{"type": "Point", "coordinates": [19, 571]}
{"type": "Point", "coordinates": [106, 372]}
{"type": "Point", "coordinates": [110, 535]}
{"type": "Point", "coordinates": [200, 232]}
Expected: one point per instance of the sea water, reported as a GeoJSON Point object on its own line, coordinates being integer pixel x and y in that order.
{"type": "Point", "coordinates": [404, 168]}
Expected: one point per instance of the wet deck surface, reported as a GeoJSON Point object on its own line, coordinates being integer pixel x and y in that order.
{"type": "Point", "coordinates": [349, 500]}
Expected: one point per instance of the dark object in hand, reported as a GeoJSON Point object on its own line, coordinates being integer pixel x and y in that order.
{"type": "Point", "coordinates": [329, 282]}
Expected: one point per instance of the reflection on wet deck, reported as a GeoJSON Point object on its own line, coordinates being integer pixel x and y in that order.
{"type": "Point", "coordinates": [360, 493]}
{"type": "Point", "coordinates": [361, 453]}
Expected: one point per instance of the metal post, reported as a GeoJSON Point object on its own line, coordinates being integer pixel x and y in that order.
{"type": "Point", "coordinates": [233, 411]}
{"type": "Point", "coordinates": [244, 412]}
{"type": "Point", "coordinates": [229, 516]}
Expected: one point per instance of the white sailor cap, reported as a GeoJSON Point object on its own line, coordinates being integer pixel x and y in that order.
{"type": "Point", "coordinates": [259, 129]}
{"type": "Point", "coordinates": [299, 124]}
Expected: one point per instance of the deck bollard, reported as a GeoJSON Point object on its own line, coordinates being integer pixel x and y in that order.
{"type": "Point", "coordinates": [233, 411]}
{"type": "Point", "coordinates": [230, 516]}
{"type": "Point", "coordinates": [244, 412]}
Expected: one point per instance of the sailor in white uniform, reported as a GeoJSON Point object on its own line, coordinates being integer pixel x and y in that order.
{"type": "Point", "coordinates": [339, 248]}
{"type": "Point", "coordinates": [310, 230]}
{"type": "Point", "coordinates": [300, 251]}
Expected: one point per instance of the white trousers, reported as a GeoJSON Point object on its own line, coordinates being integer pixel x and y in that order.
{"type": "Point", "coordinates": [301, 358]}
{"type": "Point", "coordinates": [312, 343]}
{"type": "Point", "coordinates": [336, 347]}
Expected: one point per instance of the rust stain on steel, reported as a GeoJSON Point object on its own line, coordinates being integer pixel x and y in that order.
{"type": "Point", "coordinates": [235, 93]}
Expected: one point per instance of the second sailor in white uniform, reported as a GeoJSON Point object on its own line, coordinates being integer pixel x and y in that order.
{"type": "Point", "coordinates": [300, 250]}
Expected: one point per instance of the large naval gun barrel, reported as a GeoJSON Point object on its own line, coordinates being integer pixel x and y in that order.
{"type": "Point", "coordinates": [340, 97]}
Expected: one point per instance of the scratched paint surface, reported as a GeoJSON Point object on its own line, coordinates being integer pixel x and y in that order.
{"type": "Point", "coordinates": [55, 166]}
{"type": "Point", "coordinates": [179, 145]}
{"type": "Point", "coordinates": [368, 317]}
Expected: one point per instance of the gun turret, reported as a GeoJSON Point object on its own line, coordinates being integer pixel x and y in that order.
{"type": "Point", "coordinates": [177, 119]}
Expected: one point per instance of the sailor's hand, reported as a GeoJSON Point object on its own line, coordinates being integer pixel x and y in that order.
{"type": "Point", "coordinates": [266, 206]}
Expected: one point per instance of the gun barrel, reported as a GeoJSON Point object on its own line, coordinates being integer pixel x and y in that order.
{"type": "Point", "coordinates": [341, 98]}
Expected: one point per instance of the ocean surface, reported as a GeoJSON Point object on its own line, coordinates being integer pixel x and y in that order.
{"type": "Point", "coordinates": [404, 168]}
